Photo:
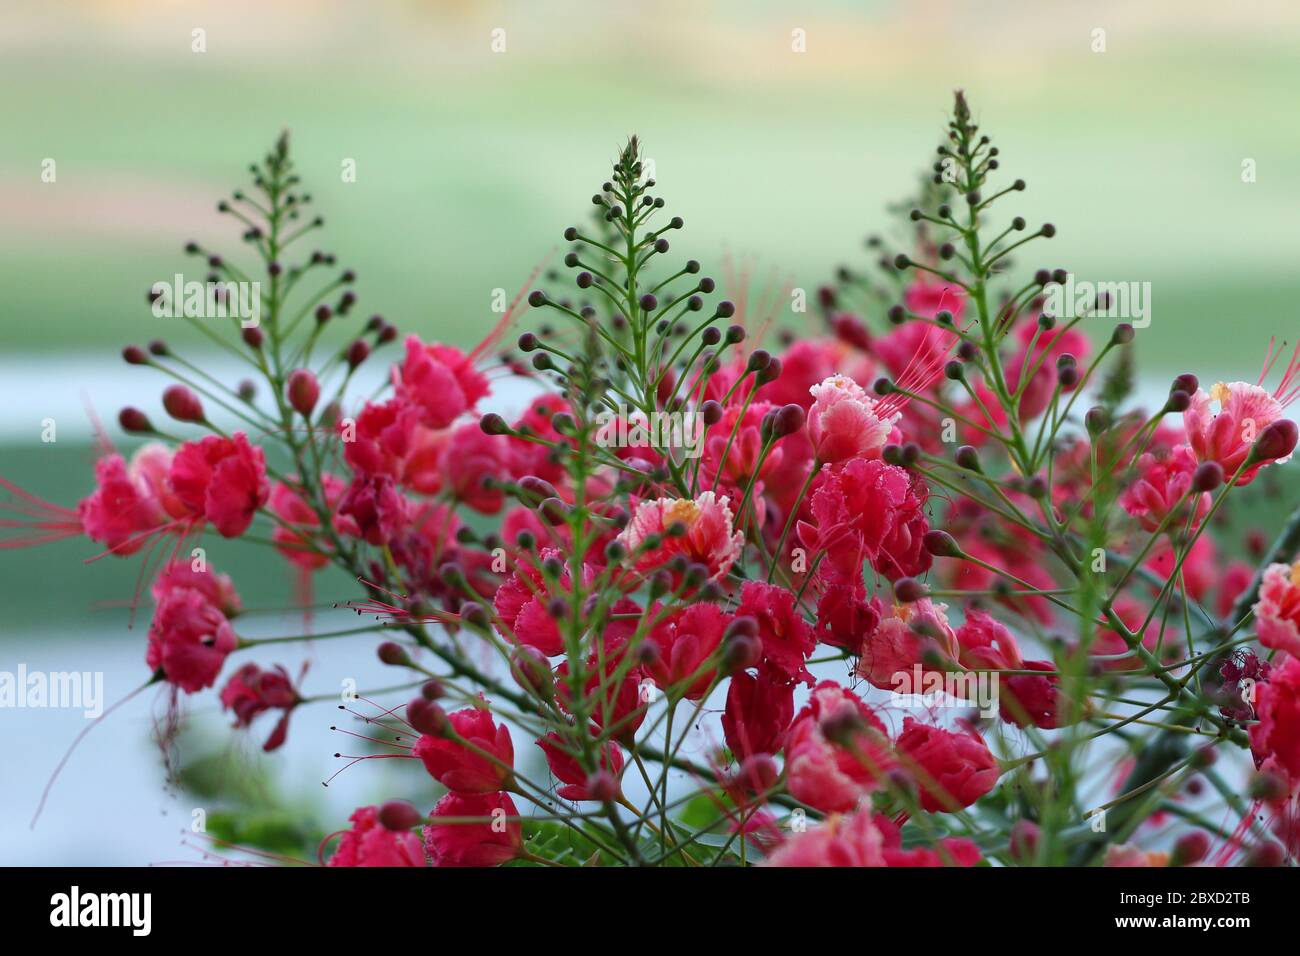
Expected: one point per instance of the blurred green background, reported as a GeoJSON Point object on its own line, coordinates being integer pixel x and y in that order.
{"type": "Point", "coordinates": [470, 162]}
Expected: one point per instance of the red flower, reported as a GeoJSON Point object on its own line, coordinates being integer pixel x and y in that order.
{"type": "Point", "coordinates": [569, 772]}
{"type": "Point", "coordinates": [521, 603]}
{"type": "Point", "coordinates": [685, 642]}
{"type": "Point", "coordinates": [1277, 612]}
{"type": "Point", "coordinates": [189, 639]}
{"type": "Point", "coordinates": [836, 751]}
{"type": "Point", "coordinates": [376, 508]}
{"type": "Point", "coordinates": [217, 588]}
{"type": "Point", "coordinates": [869, 511]}
{"type": "Point", "coordinates": [481, 760]}
{"type": "Point", "coordinates": [305, 547]}
{"type": "Point", "coordinates": [122, 509]}
{"type": "Point", "coordinates": [368, 843]}
{"type": "Point", "coordinates": [473, 466]}
{"type": "Point", "coordinates": [845, 616]}
{"type": "Point", "coordinates": [252, 691]}
{"type": "Point", "coordinates": [787, 639]}
{"type": "Point", "coordinates": [222, 479]}
{"type": "Point", "coordinates": [759, 710]}
{"type": "Point", "coordinates": [617, 706]}
{"type": "Point", "coordinates": [440, 380]}
{"type": "Point", "coordinates": [953, 770]}
{"type": "Point", "coordinates": [498, 839]}
{"type": "Point", "coordinates": [1275, 740]}
{"type": "Point", "coordinates": [1161, 483]}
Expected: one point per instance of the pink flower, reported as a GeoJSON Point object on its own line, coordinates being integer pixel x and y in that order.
{"type": "Point", "coordinates": [787, 639]}
{"type": "Point", "coordinates": [1277, 612]}
{"type": "Point", "coordinates": [306, 548]}
{"type": "Point", "coordinates": [1161, 483]}
{"type": "Point", "coordinates": [905, 640]}
{"type": "Point", "coordinates": [189, 639]}
{"type": "Point", "coordinates": [568, 770]}
{"type": "Point", "coordinates": [368, 843]}
{"type": "Point", "coordinates": [496, 840]}
{"type": "Point", "coordinates": [985, 644]}
{"type": "Point", "coordinates": [708, 539]}
{"type": "Point", "coordinates": [218, 589]}
{"type": "Point", "coordinates": [845, 422]}
{"type": "Point", "coordinates": [1275, 739]}
{"type": "Point", "coordinates": [222, 479]}
{"type": "Point", "coordinates": [836, 751]}
{"type": "Point", "coordinates": [521, 603]}
{"type": "Point", "coordinates": [851, 840]}
{"type": "Point", "coordinates": [252, 691]}
{"type": "Point", "coordinates": [845, 616]}
{"type": "Point", "coordinates": [440, 380]}
{"type": "Point", "coordinates": [1228, 436]}
{"type": "Point", "coordinates": [481, 760]}
{"type": "Point", "coordinates": [862, 839]}
{"type": "Point", "coordinates": [953, 770]}
{"type": "Point", "coordinates": [685, 642]}
{"type": "Point", "coordinates": [376, 510]}
{"type": "Point", "coordinates": [474, 465]}
{"type": "Point", "coordinates": [122, 510]}
{"type": "Point", "coordinates": [382, 438]}
{"type": "Point", "coordinates": [758, 712]}
{"type": "Point", "coordinates": [868, 511]}
{"type": "Point", "coordinates": [617, 705]}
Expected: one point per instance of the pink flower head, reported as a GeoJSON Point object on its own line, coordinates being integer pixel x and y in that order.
{"type": "Point", "coordinates": [521, 603]}
{"type": "Point", "coordinates": [908, 637]}
{"type": "Point", "coordinates": [1275, 739]}
{"type": "Point", "coordinates": [218, 589]}
{"type": "Point", "coordinates": [305, 547]}
{"type": "Point", "coordinates": [474, 464]}
{"type": "Point", "coordinates": [369, 843]}
{"type": "Point", "coordinates": [985, 644]}
{"type": "Point", "coordinates": [758, 712]}
{"type": "Point", "coordinates": [375, 509]}
{"type": "Point", "coordinates": [382, 438]}
{"type": "Point", "coordinates": [1161, 483]}
{"type": "Point", "coordinates": [708, 539]}
{"type": "Point", "coordinates": [189, 639]}
{"type": "Point", "coordinates": [845, 616]}
{"type": "Point", "coordinates": [617, 705]}
{"type": "Point", "coordinates": [223, 480]}
{"type": "Point", "coordinates": [480, 759]}
{"type": "Point", "coordinates": [845, 422]}
{"type": "Point", "coordinates": [836, 751]}
{"type": "Point", "coordinates": [869, 511]}
{"type": "Point", "coordinates": [568, 770]}
{"type": "Point", "coordinates": [252, 691]}
{"type": "Point", "coordinates": [952, 770]}
{"type": "Point", "coordinates": [1245, 410]}
{"type": "Point", "coordinates": [862, 839]}
{"type": "Point", "coordinates": [685, 642]}
{"type": "Point", "coordinates": [1277, 612]}
{"type": "Point", "coordinates": [440, 380]}
{"type": "Point", "coordinates": [122, 510]}
{"type": "Point", "coordinates": [788, 640]}
{"type": "Point", "coordinates": [496, 840]}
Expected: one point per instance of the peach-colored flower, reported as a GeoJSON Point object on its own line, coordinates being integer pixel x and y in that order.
{"type": "Point", "coordinates": [708, 540]}
{"type": "Point", "coordinates": [901, 642]}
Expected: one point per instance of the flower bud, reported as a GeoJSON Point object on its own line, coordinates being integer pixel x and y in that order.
{"type": "Point", "coordinates": [941, 544]}
{"type": "Point", "coordinates": [134, 355]}
{"type": "Point", "coordinates": [303, 391]}
{"type": "Point", "coordinates": [1190, 848]}
{"type": "Point", "coordinates": [398, 815]}
{"type": "Point", "coordinates": [427, 717]}
{"type": "Point", "coordinates": [358, 352]}
{"type": "Point", "coordinates": [602, 786]}
{"type": "Point", "coordinates": [909, 590]}
{"type": "Point", "coordinates": [531, 671]}
{"type": "Point", "coordinates": [182, 404]}
{"type": "Point", "coordinates": [1277, 440]}
{"type": "Point", "coordinates": [1208, 476]}
{"type": "Point", "coordinates": [393, 654]}
{"type": "Point", "coordinates": [1025, 835]}
{"type": "Point", "coordinates": [134, 421]}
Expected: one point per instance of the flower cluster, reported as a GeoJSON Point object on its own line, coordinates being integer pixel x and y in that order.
{"type": "Point", "coordinates": [720, 626]}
